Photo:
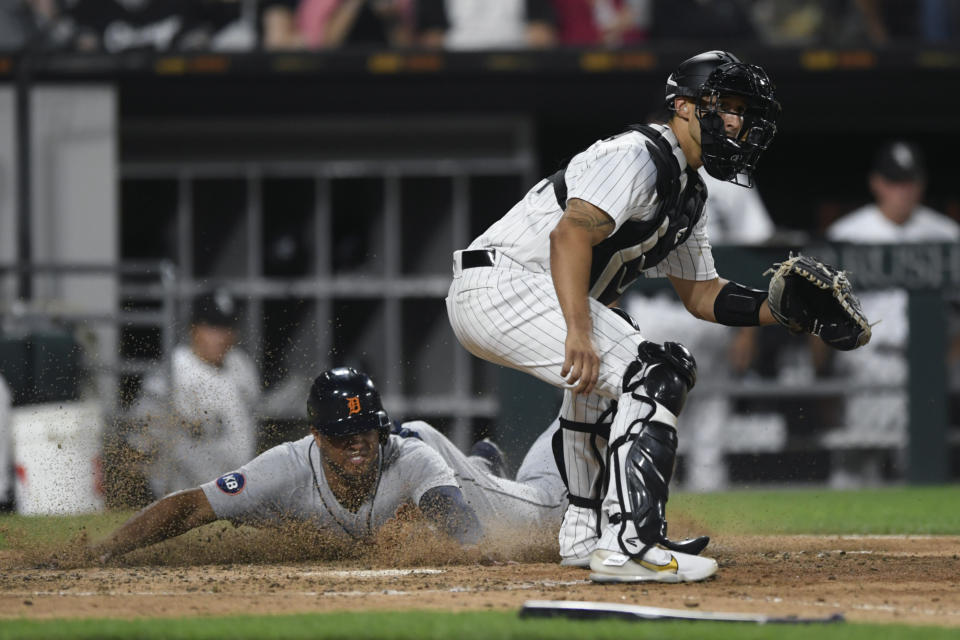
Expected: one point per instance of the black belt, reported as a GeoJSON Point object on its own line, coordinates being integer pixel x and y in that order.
{"type": "Point", "coordinates": [477, 258]}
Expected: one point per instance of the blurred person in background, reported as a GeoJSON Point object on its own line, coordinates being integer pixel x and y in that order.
{"type": "Point", "coordinates": [114, 26]}
{"type": "Point", "coordinates": [939, 20]}
{"type": "Point", "coordinates": [611, 23]}
{"type": "Point", "coordinates": [890, 21]}
{"type": "Point", "coordinates": [482, 24]}
{"type": "Point", "coordinates": [278, 26]}
{"type": "Point", "coordinates": [898, 183]}
{"type": "Point", "coordinates": [327, 24]}
{"type": "Point", "coordinates": [201, 424]}
{"type": "Point", "coordinates": [734, 216]}
{"type": "Point", "coordinates": [6, 448]}
{"type": "Point", "coordinates": [808, 22]}
{"type": "Point", "coordinates": [21, 20]}
{"type": "Point", "coordinates": [844, 22]}
{"type": "Point", "coordinates": [711, 20]}
{"type": "Point", "coordinates": [897, 215]}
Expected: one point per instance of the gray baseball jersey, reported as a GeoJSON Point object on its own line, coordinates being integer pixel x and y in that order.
{"type": "Point", "coordinates": [539, 466]}
{"type": "Point", "coordinates": [287, 482]}
{"type": "Point", "coordinates": [502, 506]}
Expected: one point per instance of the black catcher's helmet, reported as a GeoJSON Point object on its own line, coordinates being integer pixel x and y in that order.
{"type": "Point", "coordinates": [692, 73]}
{"type": "Point", "coordinates": [343, 402]}
{"type": "Point", "coordinates": [707, 77]}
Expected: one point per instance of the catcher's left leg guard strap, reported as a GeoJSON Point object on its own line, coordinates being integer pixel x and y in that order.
{"type": "Point", "coordinates": [597, 436]}
{"type": "Point", "coordinates": [580, 450]}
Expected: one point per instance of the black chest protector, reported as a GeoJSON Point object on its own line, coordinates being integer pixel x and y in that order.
{"type": "Point", "coordinates": [641, 244]}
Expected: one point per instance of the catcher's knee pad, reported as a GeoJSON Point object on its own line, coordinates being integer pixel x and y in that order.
{"type": "Point", "coordinates": [664, 373]}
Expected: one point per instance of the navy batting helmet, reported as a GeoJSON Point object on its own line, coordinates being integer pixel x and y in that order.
{"type": "Point", "coordinates": [344, 402]}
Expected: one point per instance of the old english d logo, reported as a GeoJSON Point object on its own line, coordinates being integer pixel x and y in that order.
{"type": "Point", "coordinates": [353, 404]}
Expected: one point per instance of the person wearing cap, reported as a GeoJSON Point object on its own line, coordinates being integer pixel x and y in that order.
{"type": "Point", "coordinates": [876, 421]}
{"type": "Point", "coordinates": [198, 417]}
{"type": "Point", "coordinates": [897, 181]}
{"type": "Point", "coordinates": [352, 473]}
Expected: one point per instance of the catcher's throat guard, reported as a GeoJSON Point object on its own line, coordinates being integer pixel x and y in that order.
{"type": "Point", "coordinates": [808, 296]}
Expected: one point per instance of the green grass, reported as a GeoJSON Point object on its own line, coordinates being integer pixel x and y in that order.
{"type": "Point", "coordinates": [461, 626]}
{"type": "Point", "coordinates": [901, 510]}
{"type": "Point", "coordinates": [56, 529]}
{"type": "Point", "coordinates": [907, 510]}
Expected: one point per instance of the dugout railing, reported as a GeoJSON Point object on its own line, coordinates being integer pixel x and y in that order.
{"type": "Point", "coordinates": [338, 236]}
{"type": "Point", "coordinates": [146, 300]}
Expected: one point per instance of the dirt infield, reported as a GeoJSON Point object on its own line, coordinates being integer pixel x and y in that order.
{"type": "Point", "coordinates": [869, 579]}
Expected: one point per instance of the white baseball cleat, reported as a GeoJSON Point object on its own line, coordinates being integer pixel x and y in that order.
{"type": "Point", "coordinates": [657, 565]}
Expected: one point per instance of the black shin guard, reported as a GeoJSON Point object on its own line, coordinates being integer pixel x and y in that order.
{"type": "Point", "coordinates": [644, 455]}
{"type": "Point", "coordinates": [651, 453]}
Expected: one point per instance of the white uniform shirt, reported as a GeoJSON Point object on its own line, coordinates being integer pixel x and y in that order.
{"type": "Point", "coordinates": [867, 225]}
{"type": "Point", "coordinates": [481, 24]}
{"type": "Point", "coordinates": [617, 176]}
{"type": "Point", "coordinates": [287, 482]}
{"type": "Point", "coordinates": [213, 429]}
{"type": "Point", "coordinates": [735, 214]}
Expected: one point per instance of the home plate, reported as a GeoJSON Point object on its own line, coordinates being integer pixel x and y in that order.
{"type": "Point", "coordinates": [599, 610]}
{"type": "Point", "coordinates": [373, 573]}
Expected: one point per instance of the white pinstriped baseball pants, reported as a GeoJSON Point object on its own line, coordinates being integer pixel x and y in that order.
{"type": "Point", "coordinates": [511, 316]}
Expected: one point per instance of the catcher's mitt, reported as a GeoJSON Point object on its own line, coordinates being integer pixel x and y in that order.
{"type": "Point", "coordinates": [808, 296]}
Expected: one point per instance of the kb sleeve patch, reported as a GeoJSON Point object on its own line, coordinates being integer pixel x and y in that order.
{"type": "Point", "coordinates": [231, 483]}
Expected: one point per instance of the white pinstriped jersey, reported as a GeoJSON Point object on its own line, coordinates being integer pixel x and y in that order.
{"type": "Point", "coordinates": [616, 175]}
{"type": "Point", "coordinates": [508, 313]}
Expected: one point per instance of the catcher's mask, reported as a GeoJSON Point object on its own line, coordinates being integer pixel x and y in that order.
{"type": "Point", "coordinates": [734, 159]}
{"type": "Point", "coordinates": [344, 402]}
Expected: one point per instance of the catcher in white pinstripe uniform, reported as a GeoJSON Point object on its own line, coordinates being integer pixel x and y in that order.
{"type": "Point", "coordinates": [533, 292]}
